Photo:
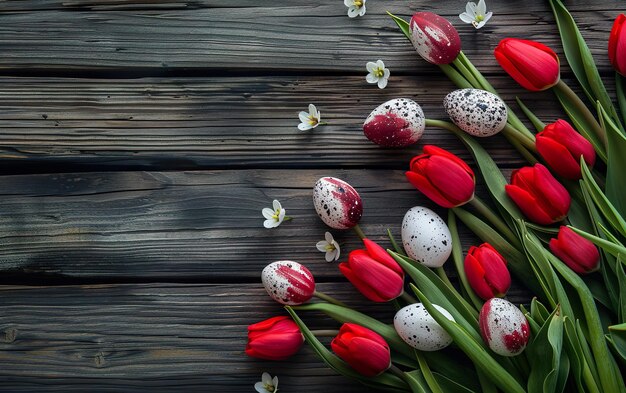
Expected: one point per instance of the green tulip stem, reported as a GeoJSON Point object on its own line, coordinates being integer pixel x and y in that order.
{"type": "Point", "coordinates": [495, 220]}
{"type": "Point", "coordinates": [329, 299]}
{"type": "Point", "coordinates": [467, 73]}
{"type": "Point", "coordinates": [408, 298]}
{"type": "Point", "coordinates": [427, 373]}
{"type": "Point", "coordinates": [444, 277]}
{"type": "Point", "coordinates": [459, 80]}
{"type": "Point", "coordinates": [563, 88]}
{"type": "Point", "coordinates": [359, 231]}
{"type": "Point", "coordinates": [325, 332]}
{"type": "Point", "coordinates": [527, 141]}
{"type": "Point", "coordinates": [621, 94]}
{"type": "Point", "coordinates": [394, 244]}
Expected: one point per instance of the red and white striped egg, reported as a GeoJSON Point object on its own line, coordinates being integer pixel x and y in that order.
{"type": "Point", "coordinates": [288, 282]}
{"type": "Point", "coordinates": [504, 327]}
{"type": "Point", "coordinates": [396, 123]}
{"type": "Point", "coordinates": [337, 203]}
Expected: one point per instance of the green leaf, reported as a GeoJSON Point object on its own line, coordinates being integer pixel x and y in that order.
{"type": "Point", "coordinates": [402, 24]}
{"type": "Point", "coordinates": [549, 364]}
{"type": "Point", "coordinates": [538, 311]}
{"type": "Point", "coordinates": [472, 348]}
{"type": "Point", "coordinates": [615, 179]}
{"type": "Point", "coordinates": [579, 368]}
{"type": "Point", "coordinates": [621, 279]}
{"type": "Point", "coordinates": [618, 339]}
{"type": "Point", "coordinates": [610, 247]}
{"type": "Point", "coordinates": [384, 381]}
{"type": "Point", "coordinates": [538, 124]}
{"type": "Point", "coordinates": [620, 91]}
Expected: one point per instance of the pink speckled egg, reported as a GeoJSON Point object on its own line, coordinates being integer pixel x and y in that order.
{"type": "Point", "coordinates": [337, 203]}
{"type": "Point", "coordinates": [288, 282]}
{"type": "Point", "coordinates": [503, 327]}
{"type": "Point", "coordinates": [396, 123]}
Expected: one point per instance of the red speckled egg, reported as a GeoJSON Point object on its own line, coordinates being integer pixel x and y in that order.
{"type": "Point", "coordinates": [504, 327]}
{"type": "Point", "coordinates": [396, 123]}
{"type": "Point", "coordinates": [337, 203]}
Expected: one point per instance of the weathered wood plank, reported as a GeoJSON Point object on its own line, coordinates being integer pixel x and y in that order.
{"type": "Point", "coordinates": [252, 36]}
{"type": "Point", "coordinates": [199, 226]}
{"type": "Point", "coordinates": [165, 337]}
{"type": "Point", "coordinates": [242, 122]}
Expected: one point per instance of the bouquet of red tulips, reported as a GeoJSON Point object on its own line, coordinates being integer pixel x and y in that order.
{"type": "Point", "coordinates": [558, 226]}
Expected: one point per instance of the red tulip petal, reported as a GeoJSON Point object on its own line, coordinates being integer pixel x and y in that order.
{"type": "Point", "coordinates": [528, 205]}
{"type": "Point", "coordinates": [367, 357]}
{"type": "Point", "coordinates": [379, 278]}
{"type": "Point", "coordinates": [451, 180]}
{"type": "Point", "coordinates": [379, 254]}
{"type": "Point", "coordinates": [558, 157]}
{"type": "Point", "coordinates": [425, 187]}
{"type": "Point", "coordinates": [476, 277]}
{"type": "Point", "coordinates": [551, 194]}
{"type": "Point", "coordinates": [434, 150]}
{"type": "Point", "coordinates": [360, 285]}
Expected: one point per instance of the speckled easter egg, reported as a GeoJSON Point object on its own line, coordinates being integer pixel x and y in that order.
{"type": "Point", "coordinates": [503, 327]}
{"type": "Point", "coordinates": [396, 123]}
{"type": "Point", "coordinates": [477, 112]}
{"type": "Point", "coordinates": [426, 237]}
{"type": "Point", "coordinates": [288, 282]}
{"type": "Point", "coordinates": [419, 329]}
{"type": "Point", "coordinates": [337, 203]}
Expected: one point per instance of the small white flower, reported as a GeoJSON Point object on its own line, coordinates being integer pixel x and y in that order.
{"type": "Point", "coordinates": [267, 384]}
{"type": "Point", "coordinates": [377, 73]}
{"type": "Point", "coordinates": [309, 120]}
{"type": "Point", "coordinates": [274, 217]}
{"type": "Point", "coordinates": [477, 15]}
{"type": "Point", "coordinates": [355, 7]}
{"type": "Point", "coordinates": [330, 247]}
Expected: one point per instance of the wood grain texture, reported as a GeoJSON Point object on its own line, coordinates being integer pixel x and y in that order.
{"type": "Point", "coordinates": [142, 37]}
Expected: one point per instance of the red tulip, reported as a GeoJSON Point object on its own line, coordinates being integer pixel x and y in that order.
{"type": "Point", "coordinates": [538, 194]}
{"type": "Point", "coordinates": [434, 38]}
{"type": "Point", "coordinates": [578, 253]}
{"type": "Point", "coordinates": [561, 146]}
{"type": "Point", "coordinates": [374, 273]}
{"type": "Point", "coordinates": [617, 44]}
{"type": "Point", "coordinates": [275, 338]}
{"type": "Point", "coordinates": [288, 282]}
{"type": "Point", "coordinates": [363, 349]}
{"type": "Point", "coordinates": [443, 177]}
{"type": "Point", "coordinates": [486, 271]}
{"type": "Point", "coordinates": [531, 64]}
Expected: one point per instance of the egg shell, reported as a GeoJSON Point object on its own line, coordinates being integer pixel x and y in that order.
{"type": "Point", "coordinates": [477, 112]}
{"type": "Point", "coordinates": [419, 329]}
{"type": "Point", "coordinates": [504, 327]}
{"type": "Point", "coordinates": [288, 282]}
{"type": "Point", "coordinates": [337, 203]}
{"type": "Point", "coordinates": [396, 123]}
{"type": "Point", "coordinates": [426, 237]}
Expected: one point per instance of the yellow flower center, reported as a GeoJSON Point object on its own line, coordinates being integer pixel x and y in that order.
{"type": "Point", "coordinates": [480, 18]}
{"type": "Point", "coordinates": [379, 72]}
{"type": "Point", "coordinates": [276, 215]}
{"type": "Point", "coordinates": [269, 387]}
{"type": "Point", "coordinates": [330, 247]}
{"type": "Point", "coordinates": [312, 120]}
{"type": "Point", "coordinates": [358, 3]}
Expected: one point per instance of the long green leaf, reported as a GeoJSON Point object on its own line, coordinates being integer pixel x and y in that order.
{"type": "Point", "coordinates": [610, 247]}
{"type": "Point", "coordinates": [549, 366]}
{"type": "Point", "coordinates": [402, 24]}
{"type": "Point", "coordinates": [618, 339]}
{"type": "Point", "coordinates": [580, 370]}
{"type": "Point", "coordinates": [616, 164]}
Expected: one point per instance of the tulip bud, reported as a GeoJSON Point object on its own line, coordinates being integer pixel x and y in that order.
{"type": "Point", "coordinates": [578, 253]}
{"type": "Point", "coordinates": [531, 64]}
{"type": "Point", "coordinates": [561, 147]}
{"type": "Point", "coordinates": [288, 282]}
{"type": "Point", "coordinates": [541, 198]}
{"type": "Point", "coordinates": [503, 327]}
{"type": "Point", "coordinates": [434, 38]}
{"type": "Point", "coordinates": [443, 177]}
{"type": "Point", "coordinates": [486, 272]}
{"type": "Point", "coordinates": [374, 273]}
{"type": "Point", "coordinates": [363, 349]}
{"type": "Point", "coordinates": [617, 44]}
{"type": "Point", "coordinates": [337, 203]}
{"type": "Point", "coordinates": [275, 338]}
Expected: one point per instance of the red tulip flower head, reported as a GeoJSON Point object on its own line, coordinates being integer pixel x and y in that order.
{"type": "Point", "coordinates": [561, 147]}
{"type": "Point", "coordinates": [541, 198]}
{"type": "Point", "coordinates": [288, 282]}
{"type": "Point", "coordinates": [617, 44]}
{"type": "Point", "coordinates": [276, 338]}
{"type": "Point", "coordinates": [531, 64]}
{"type": "Point", "coordinates": [486, 272]}
{"type": "Point", "coordinates": [363, 349]}
{"type": "Point", "coordinates": [374, 273]}
{"type": "Point", "coordinates": [434, 38]}
{"type": "Point", "coordinates": [578, 253]}
{"type": "Point", "coordinates": [443, 177]}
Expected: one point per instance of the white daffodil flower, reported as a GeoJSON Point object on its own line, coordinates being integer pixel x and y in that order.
{"type": "Point", "coordinates": [274, 217]}
{"type": "Point", "coordinates": [309, 120]}
{"type": "Point", "coordinates": [267, 384]}
{"type": "Point", "coordinates": [330, 247]}
{"type": "Point", "coordinates": [377, 73]}
{"type": "Point", "coordinates": [355, 7]}
{"type": "Point", "coordinates": [477, 15]}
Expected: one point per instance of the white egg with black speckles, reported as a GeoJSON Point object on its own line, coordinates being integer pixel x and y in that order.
{"type": "Point", "coordinates": [426, 237]}
{"type": "Point", "coordinates": [419, 329]}
{"type": "Point", "coordinates": [503, 327]}
{"type": "Point", "coordinates": [396, 123]}
{"type": "Point", "coordinates": [477, 112]}
{"type": "Point", "coordinates": [337, 203]}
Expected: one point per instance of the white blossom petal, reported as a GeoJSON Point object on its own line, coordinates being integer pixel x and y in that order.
{"type": "Point", "coordinates": [487, 16]}
{"type": "Point", "coordinates": [481, 8]}
{"type": "Point", "coordinates": [329, 237]}
{"type": "Point", "coordinates": [281, 216]}
{"type": "Point", "coordinates": [312, 110]}
{"type": "Point", "coordinates": [267, 213]}
{"type": "Point", "coordinates": [260, 387]}
{"type": "Point", "coordinates": [353, 11]}
{"type": "Point", "coordinates": [348, 3]}
{"type": "Point", "coordinates": [321, 246]}
{"type": "Point", "coordinates": [266, 378]}
{"type": "Point", "coordinates": [303, 116]}
{"type": "Point", "coordinates": [371, 78]}
{"type": "Point", "coordinates": [380, 64]}
{"type": "Point", "coordinates": [276, 204]}
{"type": "Point", "coordinates": [470, 8]}
{"type": "Point", "coordinates": [467, 18]}
{"type": "Point", "coordinates": [370, 66]}
{"type": "Point", "coordinates": [382, 83]}
{"type": "Point", "coordinates": [270, 223]}
{"type": "Point", "coordinates": [304, 126]}
{"type": "Point", "coordinates": [330, 255]}
{"type": "Point", "coordinates": [338, 249]}
{"type": "Point", "coordinates": [386, 73]}
{"type": "Point", "coordinates": [362, 10]}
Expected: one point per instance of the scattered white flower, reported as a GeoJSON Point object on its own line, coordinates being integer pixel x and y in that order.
{"type": "Point", "coordinates": [477, 15]}
{"type": "Point", "coordinates": [274, 217]}
{"type": "Point", "coordinates": [330, 247]}
{"type": "Point", "coordinates": [309, 120]}
{"type": "Point", "coordinates": [355, 7]}
{"type": "Point", "coordinates": [377, 73]}
{"type": "Point", "coordinates": [267, 384]}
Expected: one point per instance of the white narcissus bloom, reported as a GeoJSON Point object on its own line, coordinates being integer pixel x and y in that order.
{"type": "Point", "coordinates": [309, 120]}
{"type": "Point", "coordinates": [377, 73]}
{"type": "Point", "coordinates": [355, 7]}
{"type": "Point", "coordinates": [274, 217]}
{"type": "Point", "coordinates": [330, 247]}
{"type": "Point", "coordinates": [267, 384]}
{"type": "Point", "coordinates": [477, 15]}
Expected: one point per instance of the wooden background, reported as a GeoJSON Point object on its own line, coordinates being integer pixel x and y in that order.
{"type": "Point", "coordinates": [139, 141]}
